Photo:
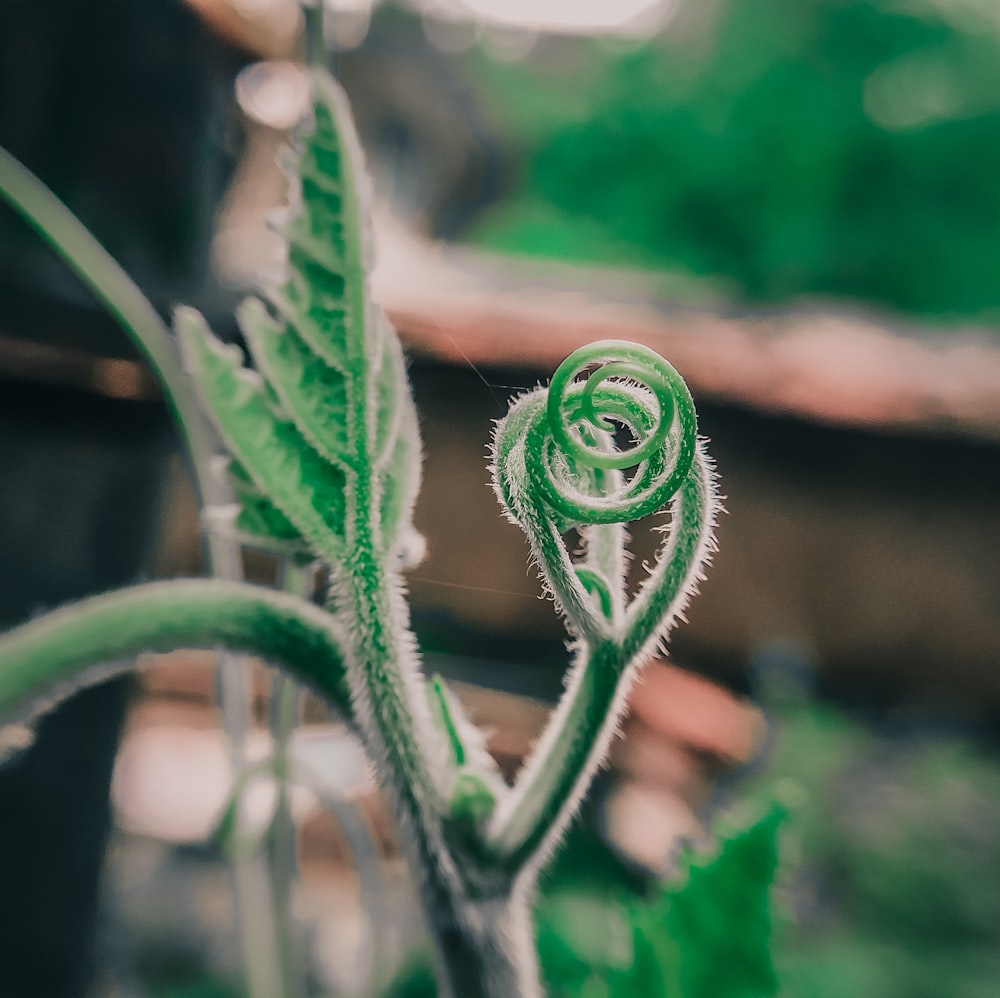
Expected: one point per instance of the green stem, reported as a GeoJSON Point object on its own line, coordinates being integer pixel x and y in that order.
{"type": "Point", "coordinates": [258, 928]}
{"type": "Point", "coordinates": [64, 232]}
{"type": "Point", "coordinates": [281, 846]}
{"type": "Point", "coordinates": [390, 705]}
{"type": "Point", "coordinates": [393, 714]}
{"type": "Point", "coordinates": [109, 283]}
{"type": "Point", "coordinates": [314, 14]}
{"type": "Point", "coordinates": [560, 769]}
{"type": "Point", "coordinates": [481, 931]}
{"type": "Point", "coordinates": [665, 594]}
{"type": "Point", "coordinates": [486, 949]}
{"type": "Point", "coordinates": [285, 703]}
{"type": "Point", "coordinates": [69, 646]}
{"type": "Point", "coordinates": [257, 922]}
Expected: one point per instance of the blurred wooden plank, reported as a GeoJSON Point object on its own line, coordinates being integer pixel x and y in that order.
{"type": "Point", "coordinates": [47, 363]}
{"type": "Point", "coordinates": [456, 306]}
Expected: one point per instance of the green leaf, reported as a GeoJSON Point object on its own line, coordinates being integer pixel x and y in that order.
{"type": "Point", "coordinates": [598, 933]}
{"type": "Point", "coordinates": [310, 391]}
{"type": "Point", "coordinates": [720, 921]}
{"type": "Point", "coordinates": [307, 490]}
{"type": "Point", "coordinates": [323, 428]}
{"type": "Point", "coordinates": [257, 515]}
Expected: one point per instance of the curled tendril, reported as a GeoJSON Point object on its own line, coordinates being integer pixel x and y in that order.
{"type": "Point", "coordinates": [580, 468]}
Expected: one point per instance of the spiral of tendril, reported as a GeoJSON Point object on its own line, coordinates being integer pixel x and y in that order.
{"type": "Point", "coordinates": [579, 468]}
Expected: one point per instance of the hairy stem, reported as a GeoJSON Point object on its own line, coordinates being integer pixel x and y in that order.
{"type": "Point", "coordinates": [486, 949]}
{"type": "Point", "coordinates": [392, 708]}
{"type": "Point", "coordinates": [479, 924]}
{"type": "Point", "coordinates": [67, 647]}
{"type": "Point", "coordinates": [561, 768]}
{"type": "Point", "coordinates": [576, 739]}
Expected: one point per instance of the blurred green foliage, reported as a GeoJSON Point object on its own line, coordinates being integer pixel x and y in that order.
{"type": "Point", "coordinates": [845, 148]}
{"type": "Point", "coordinates": [890, 876]}
{"type": "Point", "coordinates": [707, 934]}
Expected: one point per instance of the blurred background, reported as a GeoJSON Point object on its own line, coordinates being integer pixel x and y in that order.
{"type": "Point", "coordinates": [799, 205]}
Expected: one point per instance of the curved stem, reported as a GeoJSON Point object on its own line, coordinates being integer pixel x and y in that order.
{"type": "Point", "coordinates": [67, 647]}
{"type": "Point", "coordinates": [385, 924]}
{"type": "Point", "coordinates": [112, 286]}
{"type": "Point", "coordinates": [511, 462]}
{"type": "Point", "coordinates": [119, 294]}
{"type": "Point", "coordinates": [679, 565]}
{"type": "Point", "coordinates": [286, 701]}
{"type": "Point", "coordinates": [562, 765]}
{"type": "Point", "coordinates": [559, 771]}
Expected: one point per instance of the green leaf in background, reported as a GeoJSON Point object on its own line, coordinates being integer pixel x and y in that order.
{"type": "Point", "coordinates": [720, 920]}
{"type": "Point", "coordinates": [709, 937]}
{"type": "Point", "coordinates": [890, 881]}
